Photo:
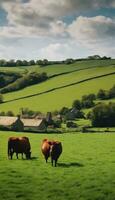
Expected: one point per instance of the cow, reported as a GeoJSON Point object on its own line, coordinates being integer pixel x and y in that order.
{"type": "Point", "coordinates": [46, 149]}
{"type": "Point", "coordinates": [55, 151]}
{"type": "Point", "coordinates": [19, 145]}
{"type": "Point", "coordinates": [51, 148]}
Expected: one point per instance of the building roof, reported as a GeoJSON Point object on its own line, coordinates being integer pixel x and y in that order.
{"type": "Point", "coordinates": [8, 121]}
{"type": "Point", "coordinates": [32, 122]}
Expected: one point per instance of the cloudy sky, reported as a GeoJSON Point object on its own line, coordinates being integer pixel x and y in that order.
{"type": "Point", "coordinates": [56, 30]}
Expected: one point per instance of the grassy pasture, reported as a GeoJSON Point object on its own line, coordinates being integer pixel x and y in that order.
{"type": "Point", "coordinates": [59, 98]}
{"type": "Point", "coordinates": [61, 68]}
{"type": "Point", "coordinates": [59, 81]}
{"type": "Point", "coordinates": [85, 170]}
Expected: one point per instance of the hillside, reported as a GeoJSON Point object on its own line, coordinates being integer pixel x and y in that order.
{"type": "Point", "coordinates": [65, 84]}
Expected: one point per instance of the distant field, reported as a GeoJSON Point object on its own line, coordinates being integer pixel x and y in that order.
{"type": "Point", "coordinates": [59, 98]}
{"type": "Point", "coordinates": [58, 91]}
{"type": "Point", "coordinates": [60, 81]}
{"type": "Point", "coordinates": [86, 169]}
{"type": "Point", "coordinates": [61, 68]}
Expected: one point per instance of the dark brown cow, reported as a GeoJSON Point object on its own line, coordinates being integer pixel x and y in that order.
{"type": "Point", "coordinates": [55, 151]}
{"type": "Point", "coordinates": [46, 148]}
{"type": "Point", "coordinates": [19, 145]}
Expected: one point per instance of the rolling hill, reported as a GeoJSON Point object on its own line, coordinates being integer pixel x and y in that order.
{"type": "Point", "coordinates": [65, 84]}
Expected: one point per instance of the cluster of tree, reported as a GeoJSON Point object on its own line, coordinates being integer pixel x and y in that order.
{"type": "Point", "coordinates": [7, 78]}
{"type": "Point", "coordinates": [8, 113]}
{"type": "Point", "coordinates": [71, 113]}
{"type": "Point", "coordinates": [87, 101]}
{"type": "Point", "coordinates": [106, 94]}
{"type": "Point", "coordinates": [45, 62]}
{"type": "Point", "coordinates": [103, 115]}
{"type": "Point", "coordinates": [28, 113]}
{"type": "Point", "coordinates": [13, 63]}
{"type": "Point", "coordinates": [97, 57]}
{"type": "Point", "coordinates": [26, 80]}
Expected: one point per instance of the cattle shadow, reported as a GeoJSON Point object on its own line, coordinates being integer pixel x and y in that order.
{"type": "Point", "coordinates": [34, 158]}
{"type": "Point", "coordinates": [71, 164]}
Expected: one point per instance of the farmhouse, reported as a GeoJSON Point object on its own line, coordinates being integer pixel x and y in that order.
{"type": "Point", "coordinates": [34, 124]}
{"type": "Point", "coordinates": [21, 124]}
{"type": "Point", "coordinates": [11, 123]}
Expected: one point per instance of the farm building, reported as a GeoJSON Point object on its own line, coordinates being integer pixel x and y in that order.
{"type": "Point", "coordinates": [34, 124]}
{"type": "Point", "coordinates": [21, 124]}
{"type": "Point", "coordinates": [11, 123]}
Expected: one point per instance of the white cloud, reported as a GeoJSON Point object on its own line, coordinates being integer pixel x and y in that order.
{"type": "Point", "coordinates": [96, 33]}
{"type": "Point", "coordinates": [55, 51]}
{"type": "Point", "coordinates": [92, 29]}
{"type": "Point", "coordinates": [61, 51]}
{"type": "Point", "coordinates": [42, 13]}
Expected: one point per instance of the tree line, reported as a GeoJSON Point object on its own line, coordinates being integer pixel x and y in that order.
{"type": "Point", "coordinates": [24, 81]}
{"type": "Point", "coordinates": [45, 62]}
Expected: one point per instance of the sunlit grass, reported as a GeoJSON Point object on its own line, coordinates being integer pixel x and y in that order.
{"type": "Point", "coordinates": [85, 170]}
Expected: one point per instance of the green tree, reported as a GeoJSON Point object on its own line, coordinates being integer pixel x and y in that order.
{"type": "Point", "coordinates": [102, 94]}
{"type": "Point", "coordinates": [103, 115]}
{"type": "Point", "coordinates": [112, 92]}
{"type": "Point", "coordinates": [77, 104]}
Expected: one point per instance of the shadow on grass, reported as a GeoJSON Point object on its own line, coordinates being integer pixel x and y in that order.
{"type": "Point", "coordinates": [71, 164]}
{"type": "Point", "coordinates": [34, 158]}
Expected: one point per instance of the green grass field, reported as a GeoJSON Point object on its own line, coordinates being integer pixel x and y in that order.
{"type": "Point", "coordinates": [86, 169]}
{"type": "Point", "coordinates": [57, 92]}
{"type": "Point", "coordinates": [59, 98]}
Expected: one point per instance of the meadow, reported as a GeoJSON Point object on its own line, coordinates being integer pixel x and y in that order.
{"type": "Point", "coordinates": [56, 99]}
{"type": "Point", "coordinates": [72, 82]}
{"type": "Point", "coordinates": [85, 170]}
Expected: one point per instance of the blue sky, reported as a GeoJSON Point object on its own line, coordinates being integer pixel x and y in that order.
{"type": "Point", "coordinates": [56, 30]}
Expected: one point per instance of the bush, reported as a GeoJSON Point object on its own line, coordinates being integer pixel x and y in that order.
{"type": "Point", "coordinates": [10, 113]}
{"type": "Point", "coordinates": [112, 92]}
{"type": "Point", "coordinates": [29, 79]}
{"type": "Point", "coordinates": [71, 124]}
{"type": "Point", "coordinates": [88, 101]}
{"type": "Point", "coordinates": [2, 113]}
{"type": "Point", "coordinates": [27, 113]}
{"type": "Point", "coordinates": [57, 124]}
{"type": "Point", "coordinates": [77, 104]}
{"type": "Point", "coordinates": [64, 111]}
{"type": "Point", "coordinates": [103, 94]}
{"type": "Point", "coordinates": [103, 115]}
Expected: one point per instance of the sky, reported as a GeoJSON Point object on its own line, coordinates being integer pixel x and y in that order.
{"type": "Point", "coordinates": [56, 30]}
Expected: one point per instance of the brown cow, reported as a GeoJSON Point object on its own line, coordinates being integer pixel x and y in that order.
{"type": "Point", "coordinates": [19, 145]}
{"type": "Point", "coordinates": [46, 148]}
{"type": "Point", "coordinates": [51, 148]}
{"type": "Point", "coordinates": [55, 151]}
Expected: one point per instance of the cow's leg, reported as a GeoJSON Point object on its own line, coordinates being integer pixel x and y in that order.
{"type": "Point", "coordinates": [22, 156]}
{"type": "Point", "coordinates": [11, 154]}
{"type": "Point", "coordinates": [55, 162]}
{"type": "Point", "coordinates": [52, 161]}
{"type": "Point", "coordinates": [46, 158]}
{"type": "Point", "coordinates": [17, 155]}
